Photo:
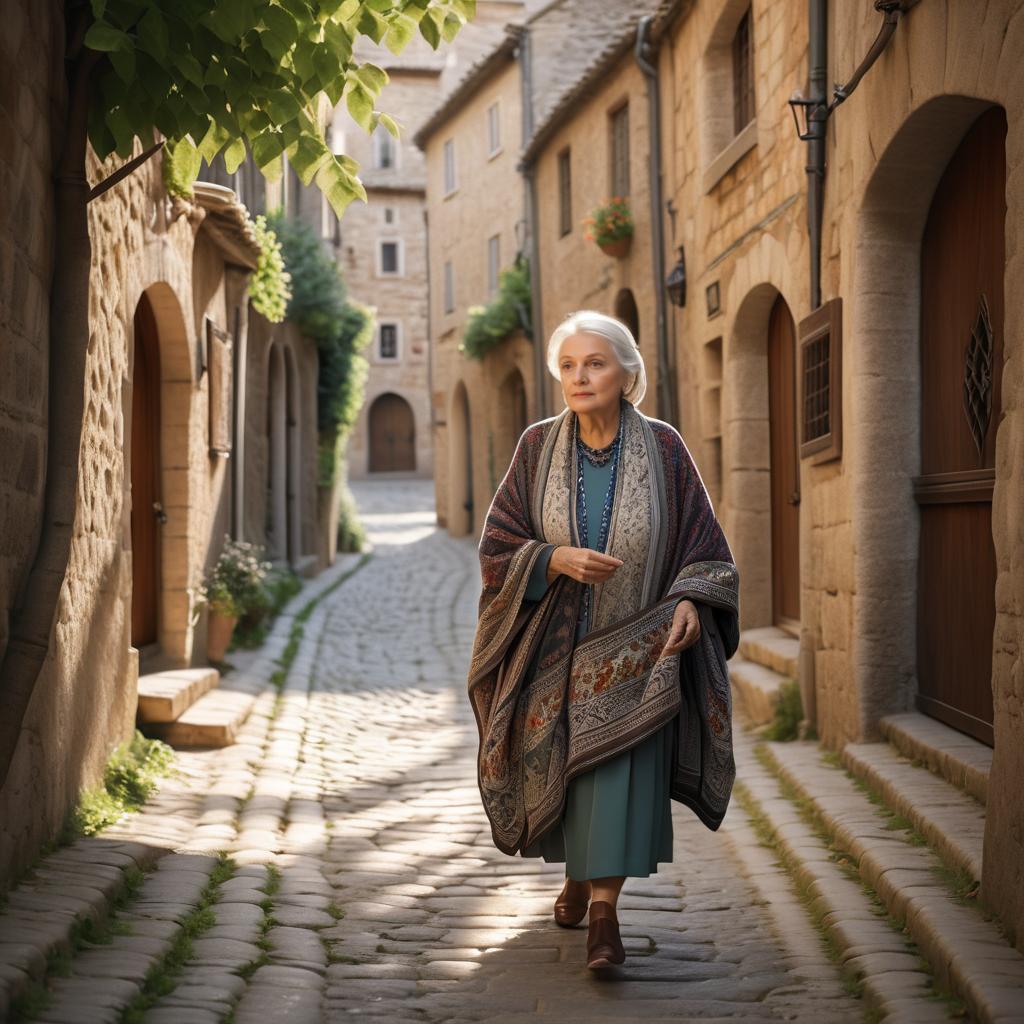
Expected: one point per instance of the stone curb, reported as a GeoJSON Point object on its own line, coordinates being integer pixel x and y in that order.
{"type": "Point", "coordinates": [967, 953]}
{"type": "Point", "coordinates": [871, 952]}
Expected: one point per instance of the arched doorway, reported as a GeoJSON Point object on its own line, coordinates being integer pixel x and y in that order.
{"type": "Point", "coordinates": [785, 472]}
{"type": "Point", "coordinates": [961, 352]}
{"type": "Point", "coordinates": [626, 310]}
{"type": "Point", "coordinates": [392, 434]}
{"type": "Point", "coordinates": [146, 507]}
{"type": "Point", "coordinates": [460, 465]}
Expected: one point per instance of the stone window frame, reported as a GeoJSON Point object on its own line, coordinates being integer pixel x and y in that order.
{"type": "Point", "coordinates": [399, 342]}
{"type": "Point", "coordinates": [721, 146]}
{"type": "Point", "coordinates": [450, 179]}
{"type": "Point", "coordinates": [493, 264]}
{"type": "Point", "coordinates": [399, 244]}
{"type": "Point", "coordinates": [494, 146]}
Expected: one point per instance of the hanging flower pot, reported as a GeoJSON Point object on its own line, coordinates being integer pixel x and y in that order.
{"type": "Point", "coordinates": [219, 628]}
{"type": "Point", "coordinates": [611, 227]}
{"type": "Point", "coordinates": [617, 247]}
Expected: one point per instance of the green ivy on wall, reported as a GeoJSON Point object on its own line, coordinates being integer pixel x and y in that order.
{"type": "Point", "coordinates": [509, 311]}
{"type": "Point", "coordinates": [270, 284]}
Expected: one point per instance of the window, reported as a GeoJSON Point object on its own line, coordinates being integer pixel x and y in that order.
{"type": "Point", "coordinates": [390, 215]}
{"type": "Point", "coordinates": [742, 75]}
{"type": "Point", "coordinates": [493, 130]}
{"type": "Point", "coordinates": [383, 148]}
{"type": "Point", "coordinates": [449, 166]}
{"type": "Point", "coordinates": [449, 289]}
{"type": "Point", "coordinates": [620, 151]}
{"type": "Point", "coordinates": [493, 264]}
{"type": "Point", "coordinates": [390, 259]}
{"type": "Point", "coordinates": [388, 344]}
{"type": "Point", "coordinates": [564, 194]}
{"type": "Point", "coordinates": [821, 383]}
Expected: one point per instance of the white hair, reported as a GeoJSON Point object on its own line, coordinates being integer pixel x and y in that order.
{"type": "Point", "coordinates": [619, 336]}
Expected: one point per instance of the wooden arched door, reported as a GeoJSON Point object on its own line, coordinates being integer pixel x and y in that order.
{"type": "Point", "coordinates": [392, 435]}
{"type": "Point", "coordinates": [785, 475]}
{"type": "Point", "coordinates": [962, 266]}
{"type": "Point", "coordinates": [145, 478]}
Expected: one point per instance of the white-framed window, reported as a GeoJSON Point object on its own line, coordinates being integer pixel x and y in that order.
{"type": "Point", "coordinates": [385, 151]}
{"type": "Point", "coordinates": [389, 341]}
{"type": "Point", "coordinates": [449, 287]}
{"type": "Point", "coordinates": [493, 264]}
{"type": "Point", "coordinates": [390, 257]}
{"type": "Point", "coordinates": [493, 129]}
{"type": "Point", "coordinates": [449, 166]}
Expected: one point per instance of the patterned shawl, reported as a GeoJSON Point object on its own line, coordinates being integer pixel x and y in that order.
{"type": "Point", "coordinates": [548, 708]}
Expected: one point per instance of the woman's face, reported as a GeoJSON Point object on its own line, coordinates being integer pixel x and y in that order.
{"type": "Point", "coordinates": [592, 378]}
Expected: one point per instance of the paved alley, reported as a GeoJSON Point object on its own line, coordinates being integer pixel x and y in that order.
{"type": "Point", "coordinates": [362, 882]}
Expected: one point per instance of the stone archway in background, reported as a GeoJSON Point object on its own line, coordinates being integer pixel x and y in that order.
{"type": "Point", "coordinates": [460, 464]}
{"type": "Point", "coordinates": [511, 420]}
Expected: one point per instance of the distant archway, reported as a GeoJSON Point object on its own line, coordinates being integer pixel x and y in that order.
{"type": "Point", "coordinates": [626, 310]}
{"type": "Point", "coordinates": [392, 434]}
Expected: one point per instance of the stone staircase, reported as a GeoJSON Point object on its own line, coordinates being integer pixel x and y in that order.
{"type": "Point", "coordinates": [766, 658]}
{"type": "Point", "coordinates": [193, 707]}
{"type": "Point", "coordinates": [885, 843]}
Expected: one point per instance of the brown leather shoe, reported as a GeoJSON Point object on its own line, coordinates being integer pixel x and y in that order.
{"type": "Point", "coordinates": [571, 905]}
{"type": "Point", "coordinates": [604, 946]}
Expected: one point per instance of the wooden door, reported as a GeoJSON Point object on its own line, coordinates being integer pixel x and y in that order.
{"type": "Point", "coordinates": [392, 435]}
{"type": "Point", "coordinates": [962, 265]}
{"type": "Point", "coordinates": [785, 479]}
{"type": "Point", "coordinates": [145, 478]}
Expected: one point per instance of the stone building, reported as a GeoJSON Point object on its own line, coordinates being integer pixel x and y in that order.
{"type": "Point", "coordinates": [163, 465]}
{"type": "Point", "coordinates": [478, 204]}
{"type": "Point", "coordinates": [850, 394]}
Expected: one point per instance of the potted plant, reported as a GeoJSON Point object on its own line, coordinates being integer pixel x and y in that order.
{"type": "Point", "coordinates": [611, 226]}
{"type": "Point", "coordinates": [231, 588]}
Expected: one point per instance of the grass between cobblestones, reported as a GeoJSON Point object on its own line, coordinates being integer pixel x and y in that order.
{"type": "Point", "coordinates": [298, 629]}
{"type": "Point", "coordinates": [851, 867]}
{"type": "Point", "coordinates": [162, 978]}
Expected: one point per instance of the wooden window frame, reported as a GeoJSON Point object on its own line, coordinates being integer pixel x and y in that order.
{"type": "Point", "coordinates": [825, 322]}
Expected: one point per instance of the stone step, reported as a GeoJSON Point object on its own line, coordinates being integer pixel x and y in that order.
{"type": "Point", "coordinates": [757, 687]}
{"type": "Point", "coordinates": [771, 647]}
{"type": "Point", "coordinates": [215, 719]}
{"type": "Point", "coordinates": [952, 822]}
{"type": "Point", "coordinates": [959, 759]}
{"type": "Point", "coordinates": [165, 696]}
{"type": "Point", "coordinates": [968, 954]}
{"type": "Point", "coordinates": [872, 954]}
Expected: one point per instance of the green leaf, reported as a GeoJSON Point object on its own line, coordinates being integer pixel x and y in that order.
{"type": "Point", "coordinates": [391, 125]}
{"type": "Point", "coordinates": [400, 31]}
{"type": "Point", "coordinates": [339, 41]}
{"type": "Point", "coordinates": [191, 69]}
{"type": "Point", "coordinates": [450, 28]}
{"type": "Point", "coordinates": [360, 105]}
{"type": "Point", "coordinates": [181, 165]}
{"type": "Point", "coordinates": [430, 31]}
{"type": "Point", "coordinates": [273, 170]}
{"type": "Point", "coordinates": [467, 8]}
{"type": "Point", "coordinates": [307, 156]}
{"type": "Point", "coordinates": [230, 19]}
{"type": "Point", "coordinates": [372, 76]}
{"type": "Point", "coordinates": [215, 139]}
{"type": "Point", "coordinates": [338, 186]}
{"type": "Point", "coordinates": [104, 38]}
{"type": "Point", "coordinates": [152, 32]}
{"type": "Point", "coordinates": [234, 155]}
{"type": "Point", "coordinates": [372, 24]}
{"type": "Point", "coordinates": [122, 129]}
{"type": "Point", "coordinates": [266, 147]}
{"type": "Point", "coordinates": [282, 25]}
{"type": "Point", "coordinates": [123, 62]}
{"type": "Point", "coordinates": [282, 106]}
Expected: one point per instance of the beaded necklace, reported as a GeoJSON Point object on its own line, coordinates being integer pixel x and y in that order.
{"type": "Point", "coordinates": [582, 451]}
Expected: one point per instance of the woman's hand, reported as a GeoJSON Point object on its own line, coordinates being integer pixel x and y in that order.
{"type": "Point", "coordinates": [685, 628]}
{"type": "Point", "coordinates": [583, 564]}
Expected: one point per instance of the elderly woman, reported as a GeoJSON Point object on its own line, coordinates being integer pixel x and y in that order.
{"type": "Point", "coordinates": [609, 609]}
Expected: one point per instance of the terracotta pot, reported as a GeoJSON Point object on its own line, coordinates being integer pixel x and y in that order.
{"type": "Point", "coordinates": [219, 628]}
{"type": "Point", "coordinates": [619, 247]}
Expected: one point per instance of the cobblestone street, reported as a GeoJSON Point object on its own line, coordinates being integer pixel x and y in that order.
{"type": "Point", "coordinates": [362, 881]}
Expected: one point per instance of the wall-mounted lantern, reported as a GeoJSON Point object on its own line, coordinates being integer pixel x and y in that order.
{"type": "Point", "coordinates": [675, 283]}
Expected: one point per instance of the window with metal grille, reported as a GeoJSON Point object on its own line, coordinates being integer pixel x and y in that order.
{"type": "Point", "coordinates": [742, 74]}
{"type": "Point", "coordinates": [564, 193]}
{"type": "Point", "coordinates": [821, 383]}
{"type": "Point", "coordinates": [389, 341]}
{"type": "Point", "coordinates": [620, 151]}
{"type": "Point", "coordinates": [449, 166]}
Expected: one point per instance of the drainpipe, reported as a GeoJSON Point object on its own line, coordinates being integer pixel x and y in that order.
{"type": "Point", "coordinates": [241, 357]}
{"type": "Point", "coordinates": [667, 397]}
{"type": "Point", "coordinates": [540, 372]}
